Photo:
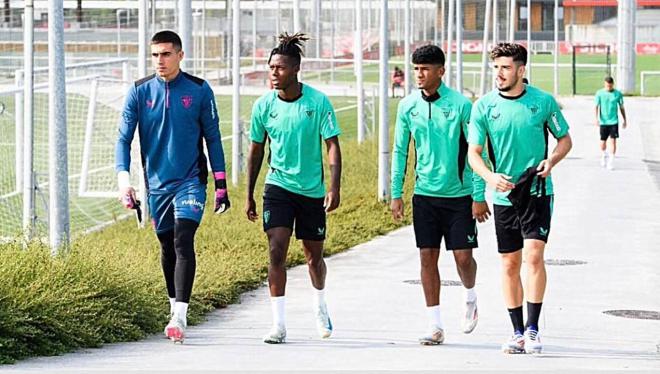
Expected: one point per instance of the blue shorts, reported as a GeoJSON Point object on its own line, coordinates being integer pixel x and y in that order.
{"type": "Point", "coordinates": [187, 201]}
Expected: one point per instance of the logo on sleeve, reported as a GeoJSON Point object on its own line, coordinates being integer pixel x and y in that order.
{"type": "Point", "coordinates": [555, 122]}
{"type": "Point", "coordinates": [332, 124]}
{"type": "Point", "coordinates": [187, 101]}
{"type": "Point", "coordinates": [543, 231]}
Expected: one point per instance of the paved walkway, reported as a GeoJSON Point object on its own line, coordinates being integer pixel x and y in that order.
{"type": "Point", "coordinates": [607, 221]}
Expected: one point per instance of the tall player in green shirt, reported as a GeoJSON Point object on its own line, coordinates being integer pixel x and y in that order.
{"type": "Point", "coordinates": [516, 119]}
{"type": "Point", "coordinates": [294, 119]}
{"type": "Point", "coordinates": [607, 100]}
{"type": "Point", "coordinates": [436, 118]}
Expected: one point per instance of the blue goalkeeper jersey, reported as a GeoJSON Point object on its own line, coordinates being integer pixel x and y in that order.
{"type": "Point", "coordinates": [172, 119]}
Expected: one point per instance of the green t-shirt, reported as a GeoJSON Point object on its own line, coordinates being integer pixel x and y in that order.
{"type": "Point", "coordinates": [608, 102]}
{"type": "Point", "coordinates": [295, 131]}
{"type": "Point", "coordinates": [517, 131]}
{"type": "Point", "coordinates": [438, 127]}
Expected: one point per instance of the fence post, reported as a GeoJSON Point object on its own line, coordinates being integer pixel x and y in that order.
{"type": "Point", "coordinates": [18, 113]}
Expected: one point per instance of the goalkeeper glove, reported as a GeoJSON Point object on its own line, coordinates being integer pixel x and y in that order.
{"type": "Point", "coordinates": [221, 198]}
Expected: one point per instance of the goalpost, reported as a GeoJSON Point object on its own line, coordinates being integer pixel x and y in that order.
{"type": "Point", "coordinates": [590, 64]}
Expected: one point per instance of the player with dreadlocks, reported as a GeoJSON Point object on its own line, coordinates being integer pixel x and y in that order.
{"type": "Point", "coordinates": [294, 118]}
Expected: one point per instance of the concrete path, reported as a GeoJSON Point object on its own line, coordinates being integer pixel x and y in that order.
{"type": "Point", "coordinates": [606, 222]}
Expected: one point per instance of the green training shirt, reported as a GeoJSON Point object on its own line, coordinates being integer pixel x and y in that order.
{"type": "Point", "coordinates": [517, 130]}
{"type": "Point", "coordinates": [437, 125]}
{"type": "Point", "coordinates": [295, 130]}
{"type": "Point", "coordinates": [608, 102]}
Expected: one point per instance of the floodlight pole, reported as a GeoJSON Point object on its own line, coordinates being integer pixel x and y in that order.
{"type": "Point", "coordinates": [383, 127]}
{"type": "Point", "coordinates": [59, 224]}
{"type": "Point", "coordinates": [185, 29]}
{"type": "Point", "coordinates": [529, 40]}
{"type": "Point", "coordinates": [28, 125]}
{"type": "Point", "coordinates": [237, 138]}
{"type": "Point", "coordinates": [406, 48]}
{"type": "Point", "coordinates": [459, 46]}
{"type": "Point", "coordinates": [450, 41]}
{"type": "Point", "coordinates": [555, 64]}
{"type": "Point", "coordinates": [484, 50]}
{"type": "Point", "coordinates": [357, 54]}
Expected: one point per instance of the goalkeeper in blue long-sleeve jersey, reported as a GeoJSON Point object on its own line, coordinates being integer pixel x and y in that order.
{"type": "Point", "coordinates": [173, 112]}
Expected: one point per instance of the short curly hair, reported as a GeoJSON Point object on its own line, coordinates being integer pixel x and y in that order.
{"type": "Point", "coordinates": [428, 54]}
{"type": "Point", "coordinates": [516, 51]}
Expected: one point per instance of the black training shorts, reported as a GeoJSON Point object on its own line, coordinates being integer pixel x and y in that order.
{"type": "Point", "coordinates": [438, 217]}
{"type": "Point", "coordinates": [283, 208]}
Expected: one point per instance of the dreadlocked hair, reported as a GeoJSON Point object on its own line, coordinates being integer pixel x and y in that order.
{"type": "Point", "coordinates": [290, 46]}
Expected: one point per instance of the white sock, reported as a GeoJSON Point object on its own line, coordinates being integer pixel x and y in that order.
{"type": "Point", "coordinates": [277, 305]}
{"type": "Point", "coordinates": [319, 297]}
{"type": "Point", "coordinates": [181, 310]}
{"type": "Point", "coordinates": [435, 318]}
{"type": "Point", "coordinates": [470, 295]}
{"type": "Point", "coordinates": [172, 301]}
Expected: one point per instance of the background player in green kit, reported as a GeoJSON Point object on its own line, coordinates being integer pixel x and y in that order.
{"type": "Point", "coordinates": [295, 119]}
{"type": "Point", "coordinates": [607, 100]}
{"type": "Point", "coordinates": [436, 118]}
{"type": "Point", "coordinates": [516, 119]}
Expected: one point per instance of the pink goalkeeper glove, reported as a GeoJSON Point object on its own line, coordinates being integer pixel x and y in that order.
{"type": "Point", "coordinates": [221, 197]}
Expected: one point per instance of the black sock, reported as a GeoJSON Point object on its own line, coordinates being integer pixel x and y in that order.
{"type": "Point", "coordinates": [516, 315]}
{"type": "Point", "coordinates": [168, 260]}
{"type": "Point", "coordinates": [533, 313]}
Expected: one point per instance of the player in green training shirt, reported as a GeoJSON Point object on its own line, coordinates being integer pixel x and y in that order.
{"type": "Point", "coordinates": [607, 100]}
{"type": "Point", "coordinates": [515, 121]}
{"type": "Point", "coordinates": [294, 119]}
{"type": "Point", "coordinates": [436, 118]}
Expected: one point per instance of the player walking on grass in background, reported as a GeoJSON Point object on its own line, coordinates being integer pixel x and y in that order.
{"type": "Point", "coordinates": [294, 119]}
{"type": "Point", "coordinates": [445, 202]}
{"type": "Point", "coordinates": [173, 112]}
{"type": "Point", "coordinates": [607, 100]}
{"type": "Point", "coordinates": [515, 120]}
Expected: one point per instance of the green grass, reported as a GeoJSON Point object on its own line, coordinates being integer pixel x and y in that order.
{"type": "Point", "coordinates": [108, 286]}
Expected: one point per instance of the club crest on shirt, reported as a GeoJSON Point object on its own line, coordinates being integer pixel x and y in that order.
{"type": "Point", "coordinates": [309, 113]}
{"type": "Point", "coordinates": [272, 115]}
{"type": "Point", "coordinates": [414, 114]}
{"type": "Point", "coordinates": [494, 116]}
{"type": "Point", "coordinates": [446, 112]}
{"type": "Point", "coordinates": [150, 104]}
{"type": "Point", "coordinates": [186, 101]}
{"type": "Point", "coordinates": [534, 109]}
